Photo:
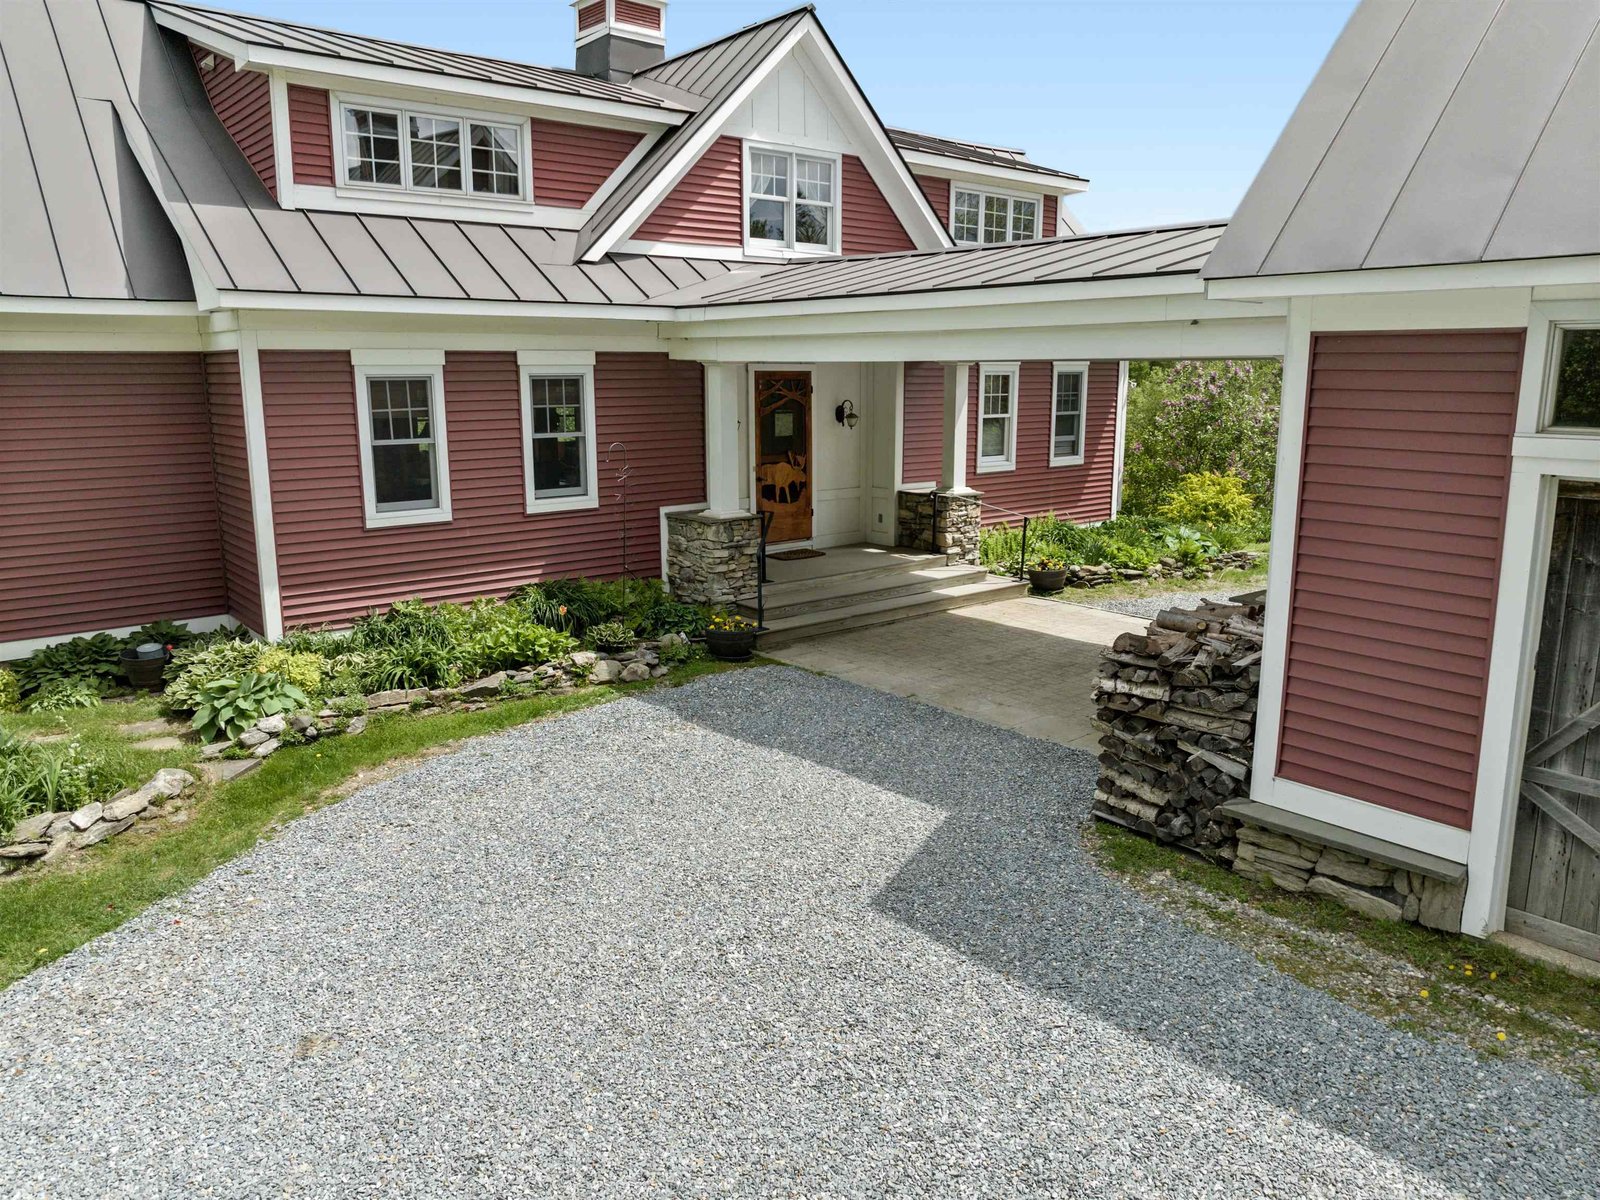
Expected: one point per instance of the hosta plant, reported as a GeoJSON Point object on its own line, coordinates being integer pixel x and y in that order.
{"type": "Point", "coordinates": [59, 695]}
{"type": "Point", "coordinates": [228, 707]}
{"type": "Point", "coordinates": [611, 636]}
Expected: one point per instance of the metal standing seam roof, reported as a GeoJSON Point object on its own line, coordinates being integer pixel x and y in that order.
{"type": "Point", "coordinates": [1169, 250]}
{"type": "Point", "coordinates": [974, 152]}
{"type": "Point", "coordinates": [1436, 132]}
{"type": "Point", "coordinates": [328, 43]}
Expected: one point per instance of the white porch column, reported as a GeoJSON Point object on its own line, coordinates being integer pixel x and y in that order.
{"type": "Point", "coordinates": [957, 381]}
{"type": "Point", "coordinates": [724, 429]}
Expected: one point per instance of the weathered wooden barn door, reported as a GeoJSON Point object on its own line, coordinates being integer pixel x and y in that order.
{"type": "Point", "coordinates": [1554, 893]}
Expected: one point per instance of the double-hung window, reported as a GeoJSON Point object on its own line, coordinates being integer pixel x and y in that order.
{"type": "Point", "coordinates": [558, 436]}
{"type": "Point", "coordinates": [405, 470]}
{"type": "Point", "coordinates": [997, 416]}
{"type": "Point", "coordinates": [1070, 397]}
{"type": "Point", "coordinates": [791, 200]}
{"type": "Point", "coordinates": [432, 152]}
{"type": "Point", "coordinates": [984, 218]}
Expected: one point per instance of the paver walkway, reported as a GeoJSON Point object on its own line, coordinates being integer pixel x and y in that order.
{"type": "Point", "coordinates": [1026, 664]}
{"type": "Point", "coordinates": [766, 935]}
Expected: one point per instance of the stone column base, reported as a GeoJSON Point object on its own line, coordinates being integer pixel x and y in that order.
{"type": "Point", "coordinates": [712, 559]}
{"type": "Point", "coordinates": [936, 522]}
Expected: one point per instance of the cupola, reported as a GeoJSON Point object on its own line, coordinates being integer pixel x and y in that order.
{"type": "Point", "coordinates": [619, 38]}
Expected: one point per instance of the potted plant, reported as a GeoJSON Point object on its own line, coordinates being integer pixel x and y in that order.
{"type": "Point", "coordinates": [144, 663]}
{"type": "Point", "coordinates": [1047, 574]}
{"type": "Point", "coordinates": [731, 638]}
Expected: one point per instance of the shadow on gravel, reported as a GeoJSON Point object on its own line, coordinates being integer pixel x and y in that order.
{"type": "Point", "coordinates": [1006, 881]}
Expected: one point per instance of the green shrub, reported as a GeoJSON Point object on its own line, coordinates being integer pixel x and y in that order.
{"type": "Point", "coordinates": [228, 707]}
{"type": "Point", "coordinates": [195, 667]}
{"type": "Point", "coordinates": [410, 665]}
{"type": "Point", "coordinates": [1208, 498]}
{"type": "Point", "coordinates": [53, 777]}
{"type": "Point", "coordinates": [10, 691]}
{"type": "Point", "coordinates": [97, 658]}
{"type": "Point", "coordinates": [61, 695]}
{"type": "Point", "coordinates": [303, 669]}
{"type": "Point", "coordinates": [611, 636]}
{"type": "Point", "coordinates": [171, 634]}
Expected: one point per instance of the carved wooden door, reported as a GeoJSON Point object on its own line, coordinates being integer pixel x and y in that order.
{"type": "Point", "coordinates": [783, 452]}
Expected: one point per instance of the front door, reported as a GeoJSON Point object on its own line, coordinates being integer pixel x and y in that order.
{"type": "Point", "coordinates": [783, 452]}
{"type": "Point", "coordinates": [1554, 891]}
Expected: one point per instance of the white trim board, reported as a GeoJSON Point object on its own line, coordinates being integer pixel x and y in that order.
{"type": "Point", "coordinates": [1536, 272]}
{"type": "Point", "coordinates": [259, 463]}
{"type": "Point", "coordinates": [22, 647]}
{"type": "Point", "coordinates": [1403, 829]}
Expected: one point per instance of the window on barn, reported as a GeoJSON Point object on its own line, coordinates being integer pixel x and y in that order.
{"type": "Point", "coordinates": [1071, 393]}
{"type": "Point", "coordinates": [405, 471]}
{"type": "Point", "coordinates": [997, 416]}
{"type": "Point", "coordinates": [558, 438]}
{"type": "Point", "coordinates": [791, 201]}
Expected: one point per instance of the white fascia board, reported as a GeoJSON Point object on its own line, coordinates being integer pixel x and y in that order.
{"type": "Point", "coordinates": [68, 306]}
{"type": "Point", "coordinates": [299, 302]}
{"type": "Point", "coordinates": [962, 169]}
{"type": "Point", "coordinates": [1537, 272]}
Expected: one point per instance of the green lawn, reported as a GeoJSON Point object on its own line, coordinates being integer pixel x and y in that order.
{"type": "Point", "coordinates": [46, 913]}
{"type": "Point", "coordinates": [1432, 983]}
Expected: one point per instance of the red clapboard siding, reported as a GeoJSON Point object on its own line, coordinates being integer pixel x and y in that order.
{"type": "Point", "coordinates": [1397, 555]}
{"type": "Point", "coordinates": [591, 15]}
{"type": "Point", "coordinates": [645, 16]}
{"type": "Point", "coordinates": [107, 490]}
{"type": "Point", "coordinates": [570, 162]}
{"type": "Point", "coordinates": [242, 101]}
{"type": "Point", "coordinates": [232, 465]}
{"type": "Point", "coordinates": [310, 135]}
{"type": "Point", "coordinates": [333, 569]}
{"type": "Point", "coordinates": [938, 193]}
{"type": "Point", "coordinates": [1083, 492]}
{"type": "Point", "coordinates": [870, 226]}
{"type": "Point", "coordinates": [707, 206]}
{"type": "Point", "coordinates": [1051, 226]}
{"type": "Point", "coordinates": [922, 423]}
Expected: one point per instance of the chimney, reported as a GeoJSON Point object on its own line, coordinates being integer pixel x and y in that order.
{"type": "Point", "coordinates": [619, 38]}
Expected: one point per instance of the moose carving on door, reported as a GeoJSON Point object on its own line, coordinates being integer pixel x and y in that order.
{"type": "Point", "coordinates": [783, 452]}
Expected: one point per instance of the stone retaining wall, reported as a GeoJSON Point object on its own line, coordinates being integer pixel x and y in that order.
{"type": "Point", "coordinates": [712, 560]}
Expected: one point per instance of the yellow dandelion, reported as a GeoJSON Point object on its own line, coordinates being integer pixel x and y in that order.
{"type": "Point", "coordinates": [1423, 993]}
{"type": "Point", "coordinates": [42, 950]}
{"type": "Point", "coordinates": [1494, 974]}
{"type": "Point", "coordinates": [1500, 1035]}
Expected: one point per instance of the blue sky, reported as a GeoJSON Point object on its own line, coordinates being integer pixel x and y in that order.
{"type": "Point", "coordinates": [1168, 106]}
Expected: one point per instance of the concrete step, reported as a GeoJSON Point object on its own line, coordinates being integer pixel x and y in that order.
{"type": "Point", "coordinates": [814, 595]}
{"type": "Point", "coordinates": [881, 611]}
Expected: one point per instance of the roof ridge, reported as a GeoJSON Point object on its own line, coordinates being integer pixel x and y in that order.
{"type": "Point", "coordinates": [994, 246]}
{"type": "Point", "coordinates": [941, 137]}
{"type": "Point", "coordinates": [743, 29]}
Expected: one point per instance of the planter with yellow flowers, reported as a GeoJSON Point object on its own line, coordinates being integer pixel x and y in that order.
{"type": "Point", "coordinates": [731, 638]}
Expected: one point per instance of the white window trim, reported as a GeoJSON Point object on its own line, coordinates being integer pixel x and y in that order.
{"type": "Point", "coordinates": [1014, 372]}
{"type": "Point", "coordinates": [542, 363]}
{"type": "Point", "coordinates": [763, 246]}
{"type": "Point", "coordinates": [1036, 198]}
{"type": "Point", "coordinates": [383, 364]}
{"type": "Point", "coordinates": [1080, 369]}
{"type": "Point", "coordinates": [1552, 369]}
{"type": "Point", "coordinates": [344, 186]}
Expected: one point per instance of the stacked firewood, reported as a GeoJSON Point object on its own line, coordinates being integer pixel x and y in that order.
{"type": "Point", "coordinates": [1177, 711]}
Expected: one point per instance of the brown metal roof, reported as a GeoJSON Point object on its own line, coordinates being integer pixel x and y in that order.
{"type": "Point", "coordinates": [328, 43]}
{"type": "Point", "coordinates": [973, 152]}
{"type": "Point", "coordinates": [1169, 250]}
{"type": "Point", "coordinates": [1437, 131]}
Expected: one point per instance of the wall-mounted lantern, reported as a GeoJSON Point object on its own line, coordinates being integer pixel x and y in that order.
{"type": "Point", "coordinates": [846, 414]}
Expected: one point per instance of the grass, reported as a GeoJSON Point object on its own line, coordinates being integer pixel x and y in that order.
{"type": "Point", "coordinates": [1434, 984]}
{"type": "Point", "coordinates": [1229, 582]}
{"type": "Point", "coordinates": [96, 728]}
{"type": "Point", "coordinates": [45, 914]}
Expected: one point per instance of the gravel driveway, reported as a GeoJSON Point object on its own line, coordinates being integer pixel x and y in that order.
{"type": "Point", "coordinates": [766, 935]}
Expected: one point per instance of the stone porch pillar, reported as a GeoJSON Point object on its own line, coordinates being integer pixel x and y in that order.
{"type": "Point", "coordinates": [712, 554]}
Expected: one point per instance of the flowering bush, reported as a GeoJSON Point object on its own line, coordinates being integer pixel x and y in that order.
{"type": "Point", "coordinates": [1189, 418]}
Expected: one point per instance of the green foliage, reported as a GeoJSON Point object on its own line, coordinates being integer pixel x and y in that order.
{"type": "Point", "coordinates": [641, 604]}
{"type": "Point", "coordinates": [611, 636]}
{"type": "Point", "coordinates": [171, 634]}
{"type": "Point", "coordinates": [1124, 543]}
{"type": "Point", "coordinates": [196, 667]}
{"type": "Point", "coordinates": [491, 635]}
{"type": "Point", "coordinates": [1208, 498]}
{"type": "Point", "coordinates": [411, 665]}
{"type": "Point", "coordinates": [303, 669]}
{"type": "Point", "coordinates": [228, 707]}
{"type": "Point", "coordinates": [10, 691]}
{"type": "Point", "coordinates": [1189, 417]}
{"type": "Point", "coordinates": [61, 695]}
{"type": "Point", "coordinates": [37, 777]}
{"type": "Point", "coordinates": [96, 658]}
{"type": "Point", "coordinates": [1578, 379]}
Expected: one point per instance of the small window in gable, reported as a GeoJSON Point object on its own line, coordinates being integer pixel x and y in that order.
{"type": "Point", "coordinates": [791, 200]}
{"type": "Point", "coordinates": [987, 218]}
{"type": "Point", "coordinates": [1070, 402]}
{"type": "Point", "coordinates": [437, 153]}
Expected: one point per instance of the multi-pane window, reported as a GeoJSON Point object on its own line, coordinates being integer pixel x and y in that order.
{"type": "Point", "coordinates": [984, 218]}
{"type": "Point", "coordinates": [1577, 384]}
{"type": "Point", "coordinates": [438, 153]}
{"type": "Point", "coordinates": [559, 435]}
{"type": "Point", "coordinates": [1066, 421]}
{"type": "Point", "coordinates": [997, 399]}
{"type": "Point", "coordinates": [792, 199]}
{"type": "Point", "coordinates": [405, 471]}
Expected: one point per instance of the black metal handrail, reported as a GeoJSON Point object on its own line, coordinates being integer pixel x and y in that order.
{"type": "Point", "coordinates": [765, 518]}
{"type": "Point", "coordinates": [1022, 556]}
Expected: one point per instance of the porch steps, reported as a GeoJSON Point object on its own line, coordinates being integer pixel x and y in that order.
{"type": "Point", "coordinates": [883, 583]}
{"type": "Point", "coordinates": [862, 609]}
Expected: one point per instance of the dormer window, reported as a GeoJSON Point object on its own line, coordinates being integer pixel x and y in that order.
{"type": "Point", "coordinates": [791, 200]}
{"type": "Point", "coordinates": [433, 152]}
{"type": "Point", "coordinates": [984, 218]}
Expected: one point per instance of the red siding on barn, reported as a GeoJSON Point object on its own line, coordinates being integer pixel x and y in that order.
{"type": "Point", "coordinates": [232, 466]}
{"type": "Point", "coordinates": [922, 423]}
{"type": "Point", "coordinates": [646, 16]}
{"type": "Point", "coordinates": [242, 101]}
{"type": "Point", "coordinates": [870, 226]}
{"type": "Point", "coordinates": [1402, 508]}
{"type": "Point", "coordinates": [1082, 492]}
{"type": "Point", "coordinates": [707, 206]}
{"type": "Point", "coordinates": [938, 193]}
{"type": "Point", "coordinates": [331, 568]}
{"type": "Point", "coordinates": [570, 162]}
{"type": "Point", "coordinates": [107, 490]}
{"type": "Point", "coordinates": [311, 135]}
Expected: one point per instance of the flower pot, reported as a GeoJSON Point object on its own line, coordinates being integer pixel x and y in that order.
{"type": "Point", "coordinates": [144, 664]}
{"type": "Point", "coordinates": [731, 645]}
{"type": "Point", "coordinates": [1048, 581]}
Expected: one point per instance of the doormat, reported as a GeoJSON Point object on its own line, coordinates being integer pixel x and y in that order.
{"type": "Point", "coordinates": [795, 555]}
